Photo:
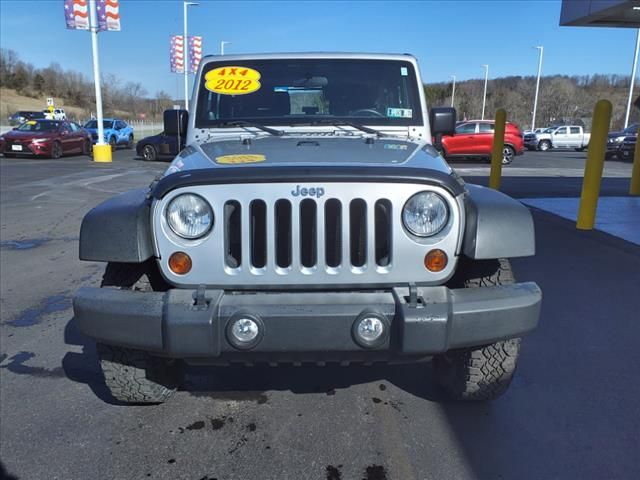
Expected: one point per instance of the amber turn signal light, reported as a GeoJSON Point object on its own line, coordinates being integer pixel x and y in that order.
{"type": "Point", "coordinates": [435, 260]}
{"type": "Point", "coordinates": [180, 263]}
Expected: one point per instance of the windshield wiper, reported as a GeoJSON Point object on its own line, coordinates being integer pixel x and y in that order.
{"type": "Point", "coordinates": [346, 123]}
{"type": "Point", "coordinates": [243, 123]}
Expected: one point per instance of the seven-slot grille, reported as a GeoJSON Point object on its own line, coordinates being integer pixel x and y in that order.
{"type": "Point", "coordinates": [271, 235]}
{"type": "Point", "coordinates": [308, 234]}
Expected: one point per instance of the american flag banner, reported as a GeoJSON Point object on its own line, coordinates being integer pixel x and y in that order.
{"type": "Point", "coordinates": [108, 15]}
{"type": "Point", "coordinates": [195, 53]}
{"type": "Point", "coordinates": [176, 54]}
{"type": "Point", "coordinates": [76, 14]}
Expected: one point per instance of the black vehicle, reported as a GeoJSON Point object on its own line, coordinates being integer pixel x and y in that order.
{"type": "Point", "coordinates": [627, 148]}
{"type": "Point", "coordinates": [22, 116]}
{"type": "Point", "coordinates": [159, 147]}
{"type": "Point", "coordinates": [615, 140]}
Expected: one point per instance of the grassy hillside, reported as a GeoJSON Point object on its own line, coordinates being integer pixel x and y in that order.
{"type": "Point", "coordinates": [11, 101]}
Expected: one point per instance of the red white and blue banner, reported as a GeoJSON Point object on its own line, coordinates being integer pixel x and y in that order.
{"type": "Point", "coordinates": [176, 54]}
{"type": "Point", "coordinates": [76, 14]}
{"type": "Point", "coordinates": [195, 53]}
{"type": "Point", "coordinates": [177, 57]}
{"type": "Point", "coordinates": [108, 15]}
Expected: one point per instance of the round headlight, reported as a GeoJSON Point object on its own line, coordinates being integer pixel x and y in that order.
{"type": "Point", "coordinates": [425, 214]}
{"type": "Point", "coordinates": [189, 216]}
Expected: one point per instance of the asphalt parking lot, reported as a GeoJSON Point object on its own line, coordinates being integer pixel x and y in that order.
{"type": "Point", "coordinates": [572, 411]}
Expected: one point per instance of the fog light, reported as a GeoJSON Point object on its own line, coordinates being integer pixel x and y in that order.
{"type": "Point", "coordinates": [435, 260]}
{"type": "Point", "coordinates": [244, 331]}
{"type": "Point", "coordinates": [180, 263]}
{"type": "Point", "coordinates": [370, 330]}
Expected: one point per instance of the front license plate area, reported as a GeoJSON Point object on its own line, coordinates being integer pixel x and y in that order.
{"type": "Point", "coordinates": [16, 148]}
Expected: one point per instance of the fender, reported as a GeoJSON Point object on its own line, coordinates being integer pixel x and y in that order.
{"type": "Point", "coordinates": [118, 230]}
{"type": "Point", "coordinates": [497, 226]}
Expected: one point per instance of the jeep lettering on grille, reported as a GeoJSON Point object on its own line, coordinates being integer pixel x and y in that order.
{"type": "Point", "coordinates": [307, 192]}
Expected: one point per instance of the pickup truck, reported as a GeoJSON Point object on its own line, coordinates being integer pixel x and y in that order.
{"type": "Point", "coordinates": [309, 219]}
{"type": "Point", "coordinates": [567, 136]}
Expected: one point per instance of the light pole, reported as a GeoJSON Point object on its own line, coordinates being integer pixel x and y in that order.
{"type": "Point", "coordinates": [93, 25]}
{"type": "Point", "coordinates": [185, 48]}
{"type": "Point", "coordinates": [535, 99]}
{"type": "Point", "coordinates": [633, 80]}
{"type": "Point", "coordinates": [222, 44]}
{"type": "Point", "coordinates": [484, 97]}
{"type": "Point", "coordinates": [453, 89]}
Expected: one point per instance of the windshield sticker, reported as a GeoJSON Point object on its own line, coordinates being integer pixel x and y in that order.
{"type": "Point", "coordinates": [232, 80]}
{"type": "Point", "coordinates": [31, 122]}
{"type": "Point", "coordinates": [399, 112]}
{"type": "Point", "coordinates": [238, 159]}
{"type": "Point", "coordinates": [403, 71]}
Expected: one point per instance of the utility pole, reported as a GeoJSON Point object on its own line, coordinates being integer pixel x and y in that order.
{"type": "Point", "coordinates": [633, 80]}
{"type": "Point", "coordinates": [185, 49]}
{"type": "Point", "coordinates": [484, 97]}
{"type": "Point", "coordinates": [535, 100]}
{"type": "Point", "coordinates": [222, 44]}
{"type": "Point", "coordinates": [453, 89]}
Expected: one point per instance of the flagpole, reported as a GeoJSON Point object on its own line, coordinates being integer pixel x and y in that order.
{"type": "Point", "coordinates": [101, 151]}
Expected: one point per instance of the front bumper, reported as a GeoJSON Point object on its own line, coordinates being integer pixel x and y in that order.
{"type": "Point", "coordinates": [306, 326]}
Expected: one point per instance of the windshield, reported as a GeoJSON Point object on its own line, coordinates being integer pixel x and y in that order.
{"type": "Point", "coordinates": [549, 130]}
{"type": "Point", "coordinates": [42, 126]}
{"type": "Point", "coordinates": [290, 92]}
{"type": "Point", "coordinates": [631, 130]}
{"type": "Point", "coordinates": [94, 124]}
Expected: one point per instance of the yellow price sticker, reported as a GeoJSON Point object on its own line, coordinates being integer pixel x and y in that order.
{"type": "Point", "coordinates": [32, 122]}
{"type": "Point", "coordinates": [237, 159]}
{"type": "Point", "coordinates": [232, 80]}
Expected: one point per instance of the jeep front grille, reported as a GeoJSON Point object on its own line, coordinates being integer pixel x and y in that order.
{"type": "Point", "coordinates": [308, 234]}
{"type": "Point", "coordinates": [264, 236]}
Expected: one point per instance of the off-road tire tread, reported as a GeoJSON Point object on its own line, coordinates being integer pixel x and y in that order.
{"type": "Point", "coordinates": [134, 376]}
{"type": "Point", "coordinates": [479, 373]}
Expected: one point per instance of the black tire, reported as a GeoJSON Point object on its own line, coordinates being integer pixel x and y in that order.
{"type": "Point", "coordinates": [544, 145]}
{"type": "Point", "coordinates": [133, 376]}
{"type": "Point", "coordinates": [508, 154]}
{"type": "Point", "coordinates": [130, 142]}
{"type": "Point", "coordinates": [87, 148]}
{"type": "Point", "coordinates": [56, 150]}
{"type": "Point", "coordinates": [112, 143]}
{"type": "Point", "coordinates": [485, 372]}
{"type": "Point", "coordinates": [149, 153]}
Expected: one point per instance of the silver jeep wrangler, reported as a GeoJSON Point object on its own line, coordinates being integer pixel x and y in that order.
{"type": "Point", "coordinates": [309, 219]}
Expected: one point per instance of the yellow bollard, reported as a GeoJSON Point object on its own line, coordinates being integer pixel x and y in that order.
{"type": "Point", "coordinates": [634, 188]}
{"type": "Point", "coordinates": [594, 166]}
{"type": "Point", "coordinates": [497, 152]}
{"type": "Point", "coordinates": [102, 153]}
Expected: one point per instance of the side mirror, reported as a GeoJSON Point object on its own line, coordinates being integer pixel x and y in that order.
{"type": "Point", "coordinates": [442, 121]}
{"type": "Point", "coordinates": [175, 122]}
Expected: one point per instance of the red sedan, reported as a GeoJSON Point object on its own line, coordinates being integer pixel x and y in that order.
{"type": "Point", "coordinates": [46, 138]}
{"type": "Point", "coordinates": [474, 138]}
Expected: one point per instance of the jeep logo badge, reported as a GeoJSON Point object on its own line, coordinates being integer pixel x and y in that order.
{"type": "Point", "coordinates": [308, 192]}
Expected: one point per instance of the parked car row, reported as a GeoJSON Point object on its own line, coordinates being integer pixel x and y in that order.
{"type": "Point", "coordinates": [22, 116]}
{"type": "Point", "coordinates": [54, 138]}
